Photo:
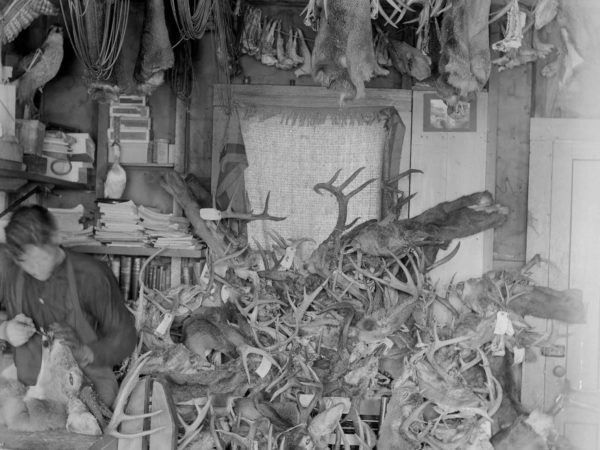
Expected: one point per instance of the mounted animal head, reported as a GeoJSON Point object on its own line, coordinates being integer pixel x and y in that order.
{"type": "Point", "coordinates": [60, 377]}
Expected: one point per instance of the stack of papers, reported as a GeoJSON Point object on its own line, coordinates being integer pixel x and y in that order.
{"type": "Point", "coordinates": [166, 230]}
{"type": "Point", "coordinates": [119, 224]}
{"type": "Point", "coordinates": [70, 230]}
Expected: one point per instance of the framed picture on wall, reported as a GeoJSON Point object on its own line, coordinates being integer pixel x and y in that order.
{"type": "Point", "coordinates": [437, 118]}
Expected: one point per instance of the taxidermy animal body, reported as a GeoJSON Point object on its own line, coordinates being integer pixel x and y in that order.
{"type": "Point", "coordinates": [156, 54]}
{"type": "Point", "coordinates": [39, 67]}
{"type": "Point", "coordinates": [465, 62]}
{"type": "Point", "coordinates": [343, 56]}
{"type": "Point", "coordinates": [53, 402]}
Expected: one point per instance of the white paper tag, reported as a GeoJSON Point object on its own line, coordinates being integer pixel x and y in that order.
{"type": "Point", "coordinates": [486, 427]}
{"type": "Point", "coordinates": [288, 258]}
{"type": "Point", "coordinates": [510, 331]}
{"type": "Point", "coordinates": [502, 323]}
{"type": "Point", "coordinates": [263, 369]}
{"type": "Point", "coordinates": [210, 214]}
{"type": "Point", "coordinates": [519, 355]}
{"type": "Point", "coordinates": [225, 293]}
{"type": "Point", "coordinates": [221, 269]}
{"type": "Point", "coordinates": [388, 344]}
{"type": "Point", "coordinates": [205, 275]}
{"type": "Point", "coordinates": [305, 399]}
{"type": "Point", "coordinates": [164, 324]}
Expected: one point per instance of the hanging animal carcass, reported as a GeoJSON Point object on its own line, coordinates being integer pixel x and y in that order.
{"type": "Point", "coordinates": [344, 56]}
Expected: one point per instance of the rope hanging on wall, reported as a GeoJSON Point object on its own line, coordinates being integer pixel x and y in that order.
{"type": "Point", "coordinates": [96, 30]}
{"type": "Point", "coordinates": [181, 75]}
{"type": "Point", "coordinates": [191, 17]}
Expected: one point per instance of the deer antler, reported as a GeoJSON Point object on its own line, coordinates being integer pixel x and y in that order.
{"type": "Point", "coordinates": [119, 414]}
{"type": "Point", "coordinates": [215, 214]}
{"type": "Point", "coordinates": [342, 198]}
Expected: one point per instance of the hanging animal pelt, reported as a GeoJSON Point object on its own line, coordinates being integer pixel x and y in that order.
{"type": "Point", "coordinates": [146, 55]}
{"type": "Point", "coordinates": [343, 56]}
{"type": "Point", "coordinates": [156, 54]}
{"type": "Point", "coordinates": [465, 63]}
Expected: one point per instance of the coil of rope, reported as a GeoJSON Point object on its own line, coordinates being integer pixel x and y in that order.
{"type": "Point", "coordinates": [181, 75]}
{"type": "Point", "coordinates": [96, 30]}
{"type": "Point", "coordinates": [191, 17]}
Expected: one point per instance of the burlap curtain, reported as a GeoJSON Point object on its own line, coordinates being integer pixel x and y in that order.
{"type": "Point", "coordinates": [289, 150]}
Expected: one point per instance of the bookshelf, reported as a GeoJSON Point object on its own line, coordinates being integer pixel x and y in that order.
{"type": "Point", "coordinates": [36, 177]}
{"type": "Point", "coordinates": [170, 268]}
{"type": "Point", "coordinates": [138, 251]}
{"type": "Point", "coordinates": [178, 259]}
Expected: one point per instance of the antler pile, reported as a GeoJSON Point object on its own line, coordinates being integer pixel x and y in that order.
{"type": "Point", "coordinates": [275, 344]}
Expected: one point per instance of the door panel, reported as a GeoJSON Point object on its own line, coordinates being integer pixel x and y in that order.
{"type": "Point", "coordinates": [575, 246]}
{"type": "Point", "coordinates": [563, 227]}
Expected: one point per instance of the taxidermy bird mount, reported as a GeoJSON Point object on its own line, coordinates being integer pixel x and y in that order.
{"type": "Point", "coordinates": [116, 178]}
{"type": "Point", "coordinates": [37, 68]}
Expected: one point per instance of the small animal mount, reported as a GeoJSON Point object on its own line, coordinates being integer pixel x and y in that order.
{"type": "Point", "coordinates": [53, 403]}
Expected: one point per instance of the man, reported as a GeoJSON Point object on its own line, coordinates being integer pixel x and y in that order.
{"type": "Point", "coordinates": [44, 287]}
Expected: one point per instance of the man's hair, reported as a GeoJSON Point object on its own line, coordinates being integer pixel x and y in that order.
{"type": "Point", "coordinates": [29, 225]}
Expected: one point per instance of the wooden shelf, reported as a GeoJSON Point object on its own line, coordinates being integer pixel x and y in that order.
{"type": "Point", "coordinates": [146, 165]}
{"type": "Point", "coordinates": [39, 178]}
{"type": "Point", "coordinates": [137, 251]}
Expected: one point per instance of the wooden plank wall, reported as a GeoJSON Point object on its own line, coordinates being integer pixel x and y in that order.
{"type": "Point", "coordinates": [454, 164]}
{"type": "Point", "coordinates": [510, 109]}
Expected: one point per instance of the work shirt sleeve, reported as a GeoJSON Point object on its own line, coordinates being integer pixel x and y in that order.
{"type": "Point", "coordinates": [101, 299]}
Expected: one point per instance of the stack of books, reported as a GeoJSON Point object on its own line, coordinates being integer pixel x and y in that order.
{"type": "Point", "coordinates": [119, 224]}
{"type": "Point", "coordinates": [166, 230]}
{"type": "Point", "coordinates": [70, 229]}
{"type": "Point", "coordinates": [134, 129]}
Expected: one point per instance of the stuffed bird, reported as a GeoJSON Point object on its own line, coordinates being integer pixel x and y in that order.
{"type": "Point", "coordinates": [39, 67]}
{"type": "Point", "coordinates": [116, 178]}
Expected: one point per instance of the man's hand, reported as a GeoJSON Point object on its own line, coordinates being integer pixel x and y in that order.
{"type": "Point", "coordinates": [81, 352]}
{"type": "Point", "coordinates": [18, 330]}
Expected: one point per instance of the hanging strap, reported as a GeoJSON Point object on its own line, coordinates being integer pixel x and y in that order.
{"type": "Point", "coordinates": [76, 317]}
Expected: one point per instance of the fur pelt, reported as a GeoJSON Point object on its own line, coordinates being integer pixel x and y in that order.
{"type": "Point", "coordinates": [156, 54]}
{"type": "Point", "coordinates": [465, 62]}
{"type": "Point", "coordinates": [53, 402]}
{"type": "Point", "coordinates": [343, 56]}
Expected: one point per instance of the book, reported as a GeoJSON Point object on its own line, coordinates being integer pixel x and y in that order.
{"type": "Point", "coordinates": [115, 266]}
{"type": "Point", "coordinates": [135, 274]}
{"type": "Point", "coordinates": [186, 274]}
{"type": "Point", "coordinates": [9, 164]}
{"type": "Point", "coordinates": [125, 276]}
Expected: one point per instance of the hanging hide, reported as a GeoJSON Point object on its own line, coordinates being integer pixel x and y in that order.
{"type": "Point", "coordinates": [156, 54]}
{"type": "Point", "coordinates": [464, 62]}
{"type": "Point", "coordinates": [343, 56]}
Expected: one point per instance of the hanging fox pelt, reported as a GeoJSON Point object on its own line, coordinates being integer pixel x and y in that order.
{"type": "Point", "coordinates": [465, 63]}
{"type": "Point", "coordinates": [343, 56]}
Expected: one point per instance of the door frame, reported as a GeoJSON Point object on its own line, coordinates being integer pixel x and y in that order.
{"type": "Point", "coordinates": [545, 133]}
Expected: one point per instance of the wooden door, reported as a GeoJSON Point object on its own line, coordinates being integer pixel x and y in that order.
{"type": "Point", "coordinates": [563, 227]}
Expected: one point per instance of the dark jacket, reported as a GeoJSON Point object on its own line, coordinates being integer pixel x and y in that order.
{"type": "Point", "coordinates": [46, 302]}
